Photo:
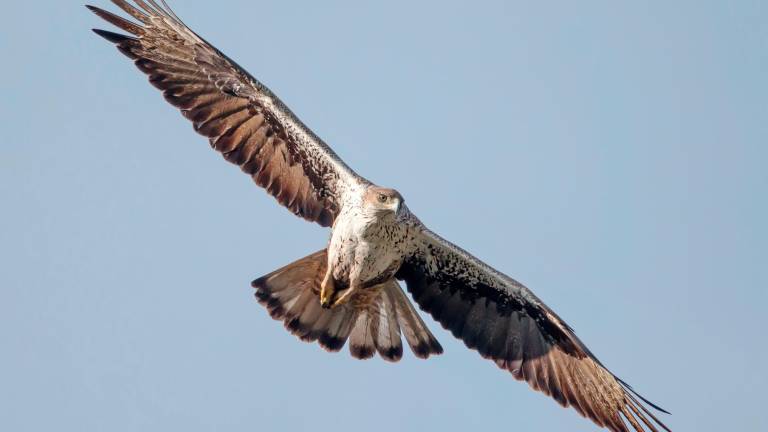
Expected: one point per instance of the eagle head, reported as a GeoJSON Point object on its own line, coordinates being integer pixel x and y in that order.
{"type": "Point", "coordinates": [383, 200]}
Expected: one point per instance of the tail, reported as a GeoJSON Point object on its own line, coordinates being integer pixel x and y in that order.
{"type": "Point", "coordinates": [372, 321]}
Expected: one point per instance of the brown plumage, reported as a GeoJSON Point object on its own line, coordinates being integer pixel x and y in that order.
{"type": "Point", "coordinates": [519, 333]}
{"type": "Point", "coordinates": [349, 292]}
{"type": "Point", "coordinates": [372, 322]}
{"type": "Point", "coordinates": [242, 119]}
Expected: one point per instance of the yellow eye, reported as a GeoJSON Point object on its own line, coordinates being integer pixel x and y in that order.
{"type": "Point", "coordinates": [382, 198]}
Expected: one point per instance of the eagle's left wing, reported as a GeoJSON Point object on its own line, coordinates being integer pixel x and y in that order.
{"type": "Point", "coordinates": [240, 116]}
{"type": "Point", "coordinates": [505, 322]}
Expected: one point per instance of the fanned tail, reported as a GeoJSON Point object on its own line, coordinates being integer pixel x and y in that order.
{"type": "Point", "coordinates": [372, 321]}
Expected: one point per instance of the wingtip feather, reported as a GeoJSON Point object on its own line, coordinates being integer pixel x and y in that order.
{"type": "Point", "coordinates": [117, 20]}
{"type": "Point", "coordinates": [653, 405]}
{"type": "Point", "coordinates": [111, 36]}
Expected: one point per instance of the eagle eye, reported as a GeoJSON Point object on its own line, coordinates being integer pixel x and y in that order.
{"type": "Point", "coordinates": [382, 198]}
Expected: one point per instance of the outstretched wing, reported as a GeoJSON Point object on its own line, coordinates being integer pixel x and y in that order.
{"type": "Point", "coordinates": [242, 118]}
{"type": "Point", "coordinates": [507, 323]}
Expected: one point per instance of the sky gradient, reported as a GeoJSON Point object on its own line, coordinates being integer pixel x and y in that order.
{"type": "Point", "coordinates": [610, 156]}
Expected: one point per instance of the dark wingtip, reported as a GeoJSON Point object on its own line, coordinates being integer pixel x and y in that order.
{"type": "Point", "coordinates": [653, 405]}
{"type": "Point", "coordinates": [110, 36]}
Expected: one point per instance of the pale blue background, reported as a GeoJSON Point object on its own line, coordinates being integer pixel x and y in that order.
{"type": "Point", "coordinates": [611, 155]}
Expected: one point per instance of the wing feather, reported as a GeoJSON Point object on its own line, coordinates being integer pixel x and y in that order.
{"type": "Point", "coordinates": [241, 117]}
{"type": "Point", "coordinates": [506, 323]}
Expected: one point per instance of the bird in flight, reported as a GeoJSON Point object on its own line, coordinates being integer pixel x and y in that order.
{"type": "Point", "coordinates": [349, 291]}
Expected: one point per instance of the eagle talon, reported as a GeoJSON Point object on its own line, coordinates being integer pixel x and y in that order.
{"type": "Point", "coordinates": [343, 298]}
{"type": "Point", "coordinates": [330, 297]}
{"type": "Point", "coordinates": [327, 291]}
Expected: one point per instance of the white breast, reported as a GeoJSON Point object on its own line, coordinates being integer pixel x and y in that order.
{"type": "Point", "coordinates": [362, 247]}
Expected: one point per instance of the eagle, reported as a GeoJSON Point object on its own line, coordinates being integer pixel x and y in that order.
{"type": "Point", "coordinates": [350, 291]}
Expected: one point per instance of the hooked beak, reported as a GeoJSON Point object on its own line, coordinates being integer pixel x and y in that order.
{"type": "Point", "coordinates": [393, 207]}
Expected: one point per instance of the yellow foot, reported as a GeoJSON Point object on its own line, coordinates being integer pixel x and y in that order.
{"type": "Point", "coordinates": [327, 290]}
{"type": "Point", "coordinates": [344, 297]}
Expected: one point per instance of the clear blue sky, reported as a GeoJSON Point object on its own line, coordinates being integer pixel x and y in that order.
{"type": "Point", "coordinates": [610, 155]}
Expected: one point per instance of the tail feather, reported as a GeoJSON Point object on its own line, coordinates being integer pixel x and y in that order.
{"type": "Point", "coordinates": [335, 335]}
{"type": "Point", "coordinates": [420, 339]}
{"type": "Point", "coordinates": [318, 328]}
{"type": "Point", "coordinates": [388, 341]}
{"type": "Point", "coordinates": [372, 321]}
{"type": "Point", "coordinates": [361, 340]}
{"type": "Point", "coordinates": [310, 318]}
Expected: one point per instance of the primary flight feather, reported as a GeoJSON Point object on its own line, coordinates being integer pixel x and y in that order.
{"type": "Point", "coordinates": [349, 291]}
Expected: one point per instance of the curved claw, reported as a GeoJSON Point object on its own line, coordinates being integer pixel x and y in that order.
{"type": "Point", "coordinates": [327, 290]}
{"type": "Point", "coordinates": [343, 298]}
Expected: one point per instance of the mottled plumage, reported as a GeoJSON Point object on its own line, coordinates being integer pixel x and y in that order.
{"type": "Point", "coordinates": [349, 291]}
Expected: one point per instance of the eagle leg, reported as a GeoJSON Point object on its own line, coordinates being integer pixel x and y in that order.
{"type": "Point", "coordinates": [330, 295]}
{"type": "Point", "coordinates": [327, 289]}
{"type": "Point", "coordinates": [345, 296]}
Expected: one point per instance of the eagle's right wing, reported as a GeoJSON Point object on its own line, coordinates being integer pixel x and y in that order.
{"type": "Point", "coordinates": [505, 322]}
{"type": "Point", "coordinates": [242, 118]}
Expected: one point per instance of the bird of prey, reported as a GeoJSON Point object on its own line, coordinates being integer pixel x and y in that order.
{"type": "Point", "coordinates": [349, 291]}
